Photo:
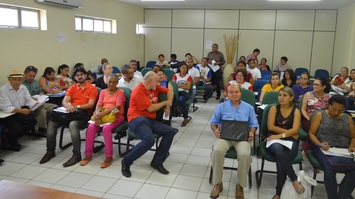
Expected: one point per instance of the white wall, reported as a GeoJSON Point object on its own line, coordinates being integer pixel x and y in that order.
{"type": "Point", "coordinates": [20, 48]}
{"type": "Point", "coordinates": [344, 52]}
{"type": "Point", "coordinates": [306, 37]}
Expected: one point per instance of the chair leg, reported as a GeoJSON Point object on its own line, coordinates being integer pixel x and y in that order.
{"type": "Point", "coordinates": [211, 173]}
{"type": "Point", "coordinates": [314, 177]}
{"type": "Point", "coordinates": [250, 178]}
{"type": "Point", "coordinates": [258, 179]}
{"type": "Point", "coordinates": [61, 140]}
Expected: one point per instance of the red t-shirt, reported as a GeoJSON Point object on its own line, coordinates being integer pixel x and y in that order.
{"type": "Point", "coordinates": [80, 96]}
{"type": "Point", "coordinates": [141, 99]}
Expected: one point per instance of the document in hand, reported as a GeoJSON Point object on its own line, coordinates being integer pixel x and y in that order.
{"type": "Point", "coordinates": [342, 152]}
{"type": "Point", "coordinates": [60, 94]}
{"type": "Point", "coordinates": [41, 99]}
{"type": "Point", "coordinates": [213, 67]}
{"type": "Point", "coordinates": [61, 110]}
{"type": "Point", "coordinates": [286, 143]}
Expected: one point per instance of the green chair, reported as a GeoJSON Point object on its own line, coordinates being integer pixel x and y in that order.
{"type": "Point", "coordinates": [145, 70]}
{"type": "Point", "coordinates": [165, 67]}
{"type": "Point", "coordinates": [232, 154]}
{"type": "Point", "coordinates": [265, 154]}
{"type": "Point", "coordinates": [248, 97]}
{"type": "Point", "coordinates": [271, 97]}
{"type": "Point", "coordinates": [169, 74]}
{"type": "Point", "coordinates": [303, 134]}
{"type": "Point", "coordinates": [201, 90]}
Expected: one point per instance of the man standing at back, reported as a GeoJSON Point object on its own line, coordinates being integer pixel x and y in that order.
{"type": "Point", "coordinates": [141, 117]}
{"type": "Point", "coordinates": [219, 60]}
{"type": "Point", "coordinates": [129, 79]}
{"type": "Point", "coordinates": [254, 55]}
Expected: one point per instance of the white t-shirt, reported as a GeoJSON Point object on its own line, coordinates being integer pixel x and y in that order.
{"type": "Point", "coordinates": [245, 85]}
{"type": "Point", "coordinates": [194, 72]}
{"type": "Point", "coordinates": [132, 84]}
{"type": "Point", "coordinates": [138, 73]}
{"type": "Point", "coordinates": [182, 80]}
{"type": "Point", "coordinates": [255, 72]}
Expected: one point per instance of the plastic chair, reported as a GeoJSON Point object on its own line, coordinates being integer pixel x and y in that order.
{"type": "Point", "coordinates": [145, 70]}
{"type": "Point", "coordinates": [271, 97]}
{"type": "Point", "coordinates": [265, 72]}
{"type": "Point", "coordinates": [265, 77]}
{"type": "Point", "coordinates": [115, 70]}
{"type": "Point", "coordinates": [248, 97]}
{"type": "Point", "coordinates": [265, 154]}
{"type": "Point", "coordinates": [150, 64]}
{"type": "Point", "coordinates": [258, 85]}
{"type": "Point", "coordinates": [321, 73]}
{"type": "Point", "coordinates": [169, 74]}
{"type": "Point", "coordinates": [301, 132]}
{"type": "Point", "coordinates": [299, 71]}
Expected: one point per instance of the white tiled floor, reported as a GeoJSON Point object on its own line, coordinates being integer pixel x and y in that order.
{"type": "Point", "coordinates": [188, 163]}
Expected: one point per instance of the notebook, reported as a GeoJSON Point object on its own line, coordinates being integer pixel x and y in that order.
{"type": "Point", "coordinates": [234, 130]}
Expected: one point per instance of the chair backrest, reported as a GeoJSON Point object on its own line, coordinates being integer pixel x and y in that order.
{"type": "Point", "coordinates": [299, 71]}
{"type": "Point", "coordinates": [265, 72]}
{"type": "Point", "coordinates": [176, 90]}
{"type": "Point", "coordinates": [145, 70]}
{"type": "Point", "coordinates": [127, 93]}
{"type": "Point", "coordinates": [160, 112]}
{"type": "Point", "coordinates": [165, 67]}
{"type": "Point", "coordinates": [115, 70]}
{"type": "Point", "coordinates": [321, 73]}
{"type": "Point", "coordinates": [150, 64]}
{"type": "Point", "coordinates": [300, 103]}
{"type": "Point", "coordinates": [94, 75]}
{"type": "Point", "coordinates": [263, 126]}
{"type": "Point", "coordinates": [248, 97]}
{"type": "Point", "coordinates": [258, 85]}
{"type": "Point", "coordinates": [169, 74]}
{"type": "Point", "coordinates": [271, 97]}
{"type": "Point", "coordinates": [265, 77]}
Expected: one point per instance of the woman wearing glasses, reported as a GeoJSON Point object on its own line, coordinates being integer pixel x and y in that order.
{"type": "Point", "coordinates": [333, 128]}
{"type": "Point", "coordinates": [313, 101]}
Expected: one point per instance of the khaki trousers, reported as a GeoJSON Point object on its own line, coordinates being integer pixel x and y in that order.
{"type": "Point", "coordinates": [220, 149]}
{"type": "Point", "coordinates": [42, 114]}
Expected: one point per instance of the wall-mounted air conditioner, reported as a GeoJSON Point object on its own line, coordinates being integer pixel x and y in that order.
{"type": "Point", "coordinates": [64, 3]}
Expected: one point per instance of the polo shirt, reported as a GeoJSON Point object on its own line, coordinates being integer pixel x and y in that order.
{"type": "Point", "coordinates": [33, 87]}
{"type": "Point", "coordinates": [298, 91]}
{"type": "Point", "coordinates": [80, 96]}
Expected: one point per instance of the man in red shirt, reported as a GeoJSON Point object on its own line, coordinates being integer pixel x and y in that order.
{"type": "Point", "coordinates": [80, 96]}
{"type": "Point", "coordinates": [141, 117]}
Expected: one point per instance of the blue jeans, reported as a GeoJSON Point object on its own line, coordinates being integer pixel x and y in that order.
{"type": "Point", "coordinates": [331, 165]}
{"type": "Point", "coordinates": [192, 97]}
{"type": "Point", "coordinates": [350, 103]}
{"type": "Point", "coordinates": [182, 99]}
{"type": "Point", "coordinates": [74, 128]}
{"type": "Point", "coordinates": [144, 128]}
{"type": "Point", "coordinates": [284, 157]}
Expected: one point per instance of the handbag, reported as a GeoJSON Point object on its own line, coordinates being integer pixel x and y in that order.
{"type": "Point", "coordinates": [289, 192]}
{"type": "Point", "coordinates": [108, 118]}
{"type": "Point", "coordinates": [66, 118]}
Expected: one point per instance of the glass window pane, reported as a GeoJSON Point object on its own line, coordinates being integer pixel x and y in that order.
{"type": "Point", "coordinates": [107, 26]}
{"type": "Point", "coordinates": [8, 17]}
{"type": "Point", "coordinates": [88, 25]}
{"type": "Point", "coordinates": [29, 18]}
{"type": "Point", "coordinates": [77, 23]}
{"type": "Point", "coordinates": [98, 26]}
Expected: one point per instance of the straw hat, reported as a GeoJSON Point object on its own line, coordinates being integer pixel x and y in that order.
{"type": "Point", "coordinates": [16, 73]}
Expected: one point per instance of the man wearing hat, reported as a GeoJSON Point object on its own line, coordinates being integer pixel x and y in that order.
{"type": "Point", "coordinates": [15, 98]}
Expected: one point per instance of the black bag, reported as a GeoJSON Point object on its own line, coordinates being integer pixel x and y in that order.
{"type": "Point", "coordinates": [66, 118]}
{"type": "Point", "coordinates": [234, 130]}
{"type": "Point", "coordinates": [176, 110]}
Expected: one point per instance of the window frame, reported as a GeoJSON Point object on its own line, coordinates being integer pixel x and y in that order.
{"type": "Point", "coordinates": [19, 17]}
{"type": "Point", "coordinates": [102, 20]}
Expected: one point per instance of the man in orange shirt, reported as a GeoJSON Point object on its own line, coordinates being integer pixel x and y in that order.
{"type": "Point", "coordinates": [80, 96]}
{"type": "Point", "coordinates": [141, 117]}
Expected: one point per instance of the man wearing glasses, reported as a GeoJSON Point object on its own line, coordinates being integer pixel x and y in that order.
{"type": "Point", "coordinates": [129, 79]}
{"type": "Point", "coordinates": [34, 89]}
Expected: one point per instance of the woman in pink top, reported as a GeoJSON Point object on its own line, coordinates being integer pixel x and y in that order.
{"type": "Point", "coordinates": [111, 99]}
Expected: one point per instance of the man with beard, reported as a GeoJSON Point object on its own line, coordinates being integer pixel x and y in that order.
{"type": "Point", "coordinates": [129, 79]}
{"type": "Point", "coordinates": [81, 96]}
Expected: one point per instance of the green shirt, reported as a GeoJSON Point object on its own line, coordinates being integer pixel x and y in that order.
{"type": "Point", "coordinates": [33, 87]}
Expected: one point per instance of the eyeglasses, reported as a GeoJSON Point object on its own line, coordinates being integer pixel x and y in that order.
{"type": "Point", "coordinates": [317, 85]}
{"type": "Point", "coordinates": [335, 110]}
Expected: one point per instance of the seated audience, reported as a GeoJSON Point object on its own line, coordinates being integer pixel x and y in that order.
{"type": "Point", "coordinates": [195, 75]}
{"type": "Point", "coordinates": [241, 65]}
{"type": "Point", "coordinates": [313, 101]}
{"type": "Point", "coordinates": [273, 85]}
{"type": "Point", "coordinates": [194, 58]}
{"type": "Point", "coordinates": [289, 79]}
{"type": "Point", "coordinates": [341, 83]}
{"type": "Point", "coordinates": [333, 128]}
{"type": "Point", "coordinates": [102, 81]}
{"type": "Point", "coordinates": [33, 88]}
{"type": "Point", "coordinates": [63, 79]}
{"type": "Point", "coordinates": [262, 65]}
{"type": "Point", "coordinates": [141, 118]}
{"type": "Point", "coordinates": [16, 99]}
{"type": "Point", "coordinates": [111, 99]}
{"type": "Point", "coordinates": [205, 78]}
{"type": "Point", "coordinates": [79, 97]}
{"type": "Point", "coordinates": [253, 69]}
{"type": "Point", "coordinates": [161, 62]}
{"type": "Point", "coordinates": [233, 109]}
{"type": "Point", "coordinates": [283, 123]}
{"type": "Point", "coordinates": [184, 82]}
{"type": "Point", "coordinates": [241, 75]}
{"type": "Point", "coordinates": [98, 69]}
{"type": "Point", "coordinates": [48, 83]}
{"type": "Point", "coordinates": [253, 55]}
{"type": "Point", "coordinates": [90, 78]}
{"type": "Point", "coordinates": [350, 99]}
{"type": "Point", "coordinates": [133, 65]}
{"type": "Point", "coordinates": [173, 62]}
{"type": "Point", "coordinates": [300, 89]}
{"type": "Point", "coordinates": [129, 80]}
{"type": "Point", "coordinates": [283, 65]}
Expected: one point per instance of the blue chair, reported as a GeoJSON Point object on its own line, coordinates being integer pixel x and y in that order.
{"type": "Point", "coordinates": [321, 73]}
{"type": "Point", "coordinates": [258, 85]}
{"type": "Point", "coordinates": [299, 71]}
{"type": "Point", "coordinates": [115, 70]}
{"type": "Point", "coordinates": [265, 72]}
{"type": "Point", "coordinates": [150, 64]}
{"type": "Point", "coordinates": [265, 77]}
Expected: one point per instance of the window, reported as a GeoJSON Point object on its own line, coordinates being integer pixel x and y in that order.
{"type": "Point", "coordinates": [94, 24]}
{"type": "Point", "coordinates": [19, 17]}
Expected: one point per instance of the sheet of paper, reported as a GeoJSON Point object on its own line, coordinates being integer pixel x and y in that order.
{"type": "Point", "coordinates": [41, 99]}
{"type": "Point", "coordinates": [209, 44]}
{"type": "Point", "coordinates": [286, 143]}
{"type": "Point", "coordinates": [213, 67]}
{"type": "Point", "coordinates": [61, 110]}
{"type": "Point", "coordinates": [262, 107]}
{"type": "Point", "coordinates": [104, 124]}
{"type": "Point", "coordinates": [165, 116]}
{"type": "Point", "coordinates": [3, 114]}
{"type": "Point", "coordinates": [342, 152]}
{"type": "Point", "coordinates": [60, 94]}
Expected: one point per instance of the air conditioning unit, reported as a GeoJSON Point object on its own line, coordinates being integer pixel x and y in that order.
{"type": "Point", "coordinates": [63, 3]}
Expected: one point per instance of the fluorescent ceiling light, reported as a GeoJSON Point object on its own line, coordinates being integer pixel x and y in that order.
{"type": "Point", "coordinates": [162, 0]}
{"type": "Point", "coordinates": [294, 0]}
